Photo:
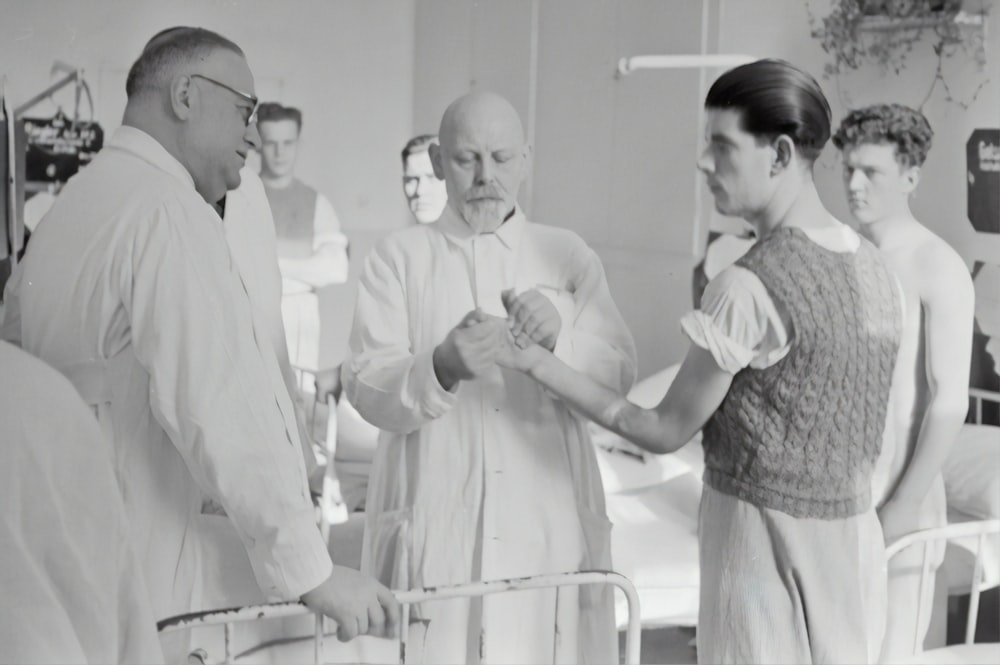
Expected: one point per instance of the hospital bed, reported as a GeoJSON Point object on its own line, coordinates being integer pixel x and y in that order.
{"type": "Point", "coordinates": [320, 647]}
{"type": "Point", "coordinates": [652, 500]}
{"type": "Point", "coordinates": [978, 532]}
{"type": "Point", "coordinates": [295, 644]}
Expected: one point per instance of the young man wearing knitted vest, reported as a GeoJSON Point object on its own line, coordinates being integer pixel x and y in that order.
{"type": "Point", "coordinates": [884, 147]}
{"type": "Point", "coordinates": [789, 373]}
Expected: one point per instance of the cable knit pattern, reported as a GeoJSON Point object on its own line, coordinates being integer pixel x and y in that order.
{"type": "Point", "coordinates": [802, 435]}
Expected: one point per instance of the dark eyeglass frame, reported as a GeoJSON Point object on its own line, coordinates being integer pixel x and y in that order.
{"type": "Point", "coordinates": [250, 119]}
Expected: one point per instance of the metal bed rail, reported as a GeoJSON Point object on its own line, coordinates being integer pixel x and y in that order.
{"type": "Point", "coordinates": [228, 617]}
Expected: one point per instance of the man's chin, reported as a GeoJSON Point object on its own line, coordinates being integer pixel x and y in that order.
{"type": "Point", "coordinates": [484, 217]}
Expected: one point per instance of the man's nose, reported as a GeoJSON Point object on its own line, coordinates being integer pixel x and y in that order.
{"type": "Point", "coordinates": [484, 171]}
{"type": "Point", "coordinates": [856, 181]}
{"type": "Point", "coordinates": [704, 162]}
{"type": "Point", "coordinates": [252, 136]}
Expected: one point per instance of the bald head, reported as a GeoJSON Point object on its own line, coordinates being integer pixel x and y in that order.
{"type": "Point", "coordinates": [477, 112]}
{"type": "Point", "coordinates": [482, 158]}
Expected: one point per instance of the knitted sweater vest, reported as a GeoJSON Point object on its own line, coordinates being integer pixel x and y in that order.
{"type": "Point", "coordinates": [294, 210]}
{"type": "Point", "coordinates": [802, 435]}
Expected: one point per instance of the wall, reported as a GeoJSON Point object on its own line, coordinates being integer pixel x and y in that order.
{"type": "Point", "coordinates": [613, 157]}
{"type": "Point", "coordinates": [781, 29]}
{"type": "Point", "coordinates": [347, 64]}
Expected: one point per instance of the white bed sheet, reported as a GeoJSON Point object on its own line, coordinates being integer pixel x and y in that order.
{"type": "Point", "coordinates": [652, 500]}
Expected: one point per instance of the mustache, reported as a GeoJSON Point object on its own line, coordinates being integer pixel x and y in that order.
{"type": "Point", "coordinates": [484, 193]}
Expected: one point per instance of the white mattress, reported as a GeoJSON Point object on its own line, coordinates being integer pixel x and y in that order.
{"type": "Point", "coordinates": [652, 500]}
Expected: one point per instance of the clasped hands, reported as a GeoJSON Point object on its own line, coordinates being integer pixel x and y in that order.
{"type": "Point", "coordinates": [481, 340]}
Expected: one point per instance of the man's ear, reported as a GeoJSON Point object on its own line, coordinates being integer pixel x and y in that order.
{"type": "Point", "coordinates": [526, 153]}
{"type": "Point", "coordinates": [784, 151]}
{"type": "Point", "coordinates": [911, 178]}
{"type": "Point", "coordinates": [434, 151]}
{"type": "Point", "coordinates": [182, 97]}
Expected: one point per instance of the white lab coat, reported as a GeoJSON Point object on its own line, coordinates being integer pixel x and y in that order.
{"type": "Point", "coordinates": [497, 479]}
{"type": "Point", "coordinates": [72, 588]}
{"type": "Point", "coordinates": [253, 243]}
{"type": "Point", "coordinates": [128, 288]}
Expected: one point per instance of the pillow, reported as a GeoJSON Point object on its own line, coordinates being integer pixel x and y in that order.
{"type": "Point", "coordinates": [972, 472]}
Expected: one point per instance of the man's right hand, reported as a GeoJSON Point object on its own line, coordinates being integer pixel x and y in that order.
{"type": "Point", "coordinates": [328, 384]}
{"type": "Point", "coordinates": [358, 603]}
{"type": "Point", "coordinates": [470, 348]}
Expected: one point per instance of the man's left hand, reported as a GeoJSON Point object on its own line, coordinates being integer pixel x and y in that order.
{"type": "Point", "coordinates": [532, 318]}
{"type": "Point", "coordinates": [899, 518]}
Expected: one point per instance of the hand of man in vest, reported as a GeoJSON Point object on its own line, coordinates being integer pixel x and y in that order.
{"type": "Point", "coordinates": [532, 318]}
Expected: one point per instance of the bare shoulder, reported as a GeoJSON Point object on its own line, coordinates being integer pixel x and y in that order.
{"type": "Point", "coordinates": [941, 272]}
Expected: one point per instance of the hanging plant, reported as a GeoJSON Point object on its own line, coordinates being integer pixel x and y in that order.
{"type": "Point", "coordinates": [859, 33]}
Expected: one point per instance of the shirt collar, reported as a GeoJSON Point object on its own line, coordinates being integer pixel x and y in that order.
{"type": "Point", "coordinates": [458, 230]}
{"type": "Point", "coordinates": [138, 142]}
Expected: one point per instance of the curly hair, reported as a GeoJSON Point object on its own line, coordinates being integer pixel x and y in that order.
{"type": "Point", "coordinates": [900, 126]}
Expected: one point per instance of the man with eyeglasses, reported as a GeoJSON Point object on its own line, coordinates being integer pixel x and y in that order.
{"type": "Point", "coordinates": [129, 289]}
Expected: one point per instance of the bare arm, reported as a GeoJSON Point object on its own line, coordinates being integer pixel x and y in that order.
{"type": "Point", "coordinates": [326, 266]}
{"type": "Point", "coordinates": [693, 397]}
{"type": "Point", "coordinates": [948, 301]}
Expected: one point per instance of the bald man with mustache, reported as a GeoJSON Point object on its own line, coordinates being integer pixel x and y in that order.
{"type": "Point", "coordinates": [479, 473]}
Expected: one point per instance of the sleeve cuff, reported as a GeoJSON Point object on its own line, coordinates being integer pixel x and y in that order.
{"type": "Point", "coordinates": [435, 400]}
{"type": "Point", "coordinates": [702, 331]}
{"type": "Point", "coordinates": [297, 563]}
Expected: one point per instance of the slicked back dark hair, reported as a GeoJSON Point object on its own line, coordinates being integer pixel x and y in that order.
{"type": "Point", "coordinates": [417, 145]}
{"type": "Point", "coordinates": [774, 97]}
{"type": "Point", "coordinates": [166, 50]}
{"type": "Point", "coordinates": [904, 128]}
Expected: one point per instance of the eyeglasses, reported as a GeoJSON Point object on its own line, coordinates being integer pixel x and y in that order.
{"type": "Point", "coordinates": [254, 102]}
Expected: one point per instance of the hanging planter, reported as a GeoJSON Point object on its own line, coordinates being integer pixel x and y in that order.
{"type": "Point", "coordinates": [861, 33]}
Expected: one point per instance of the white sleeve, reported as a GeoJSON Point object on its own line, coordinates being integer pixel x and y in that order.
{"type": "Point", "coordinates": [210, 391]}
{"type": "Point", "coordinates": [595, 339]}
{"type": "Point", "coordinates": [738, 322]}
{"type": "Point", "coordinates": [326, 225]}
{"type": "Point", "coordinates": [392, 386]}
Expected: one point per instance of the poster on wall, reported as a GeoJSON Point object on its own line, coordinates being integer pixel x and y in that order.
{"type": "Point", "coordinates": [982, 156]}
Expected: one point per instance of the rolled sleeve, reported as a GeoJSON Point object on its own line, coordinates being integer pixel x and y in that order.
{"type": "Point", "coordinates": [703, 331]}
{"type": "Point", "coordinates": [738, 322]}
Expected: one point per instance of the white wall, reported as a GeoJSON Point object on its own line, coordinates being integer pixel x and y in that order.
{"type": "Point", "coordinates": [781, 29]}
{"type": "Point", "coordinates": [347, 64]}
{"type": "Point", "coordinates": [614, 157]}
